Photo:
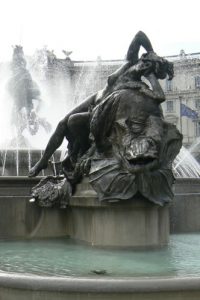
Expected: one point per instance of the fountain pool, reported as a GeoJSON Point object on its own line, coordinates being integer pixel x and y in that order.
{"type": "Point", "coordinates": [60, 269]}
{"type": "Point", "coordinates": [64, 258]}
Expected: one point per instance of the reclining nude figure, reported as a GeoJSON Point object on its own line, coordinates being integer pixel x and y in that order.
{"type": "Point", "coordinates": [76, 126]}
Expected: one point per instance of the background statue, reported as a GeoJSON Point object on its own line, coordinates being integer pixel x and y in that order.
{"type": "Point", "coordinates": [118, 136]}
{"type": "Point", "coordinates": [24, 90]}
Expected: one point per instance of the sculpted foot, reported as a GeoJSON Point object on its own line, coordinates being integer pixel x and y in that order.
{"type": "Point", "coordinates": [39, 166]}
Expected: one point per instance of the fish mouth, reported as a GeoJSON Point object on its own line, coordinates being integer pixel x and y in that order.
{"type": "Point", "coordinates": [141, 164]}
{"type": "Point", "coordinates": [141, 160]}
{"type": "Point", "coordinates": [141, 155]}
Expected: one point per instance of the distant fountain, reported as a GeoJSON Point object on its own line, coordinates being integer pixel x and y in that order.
{"type": "Point", "coordinates": [55, 76]}
{"type": "Point", "coordinates": [53, 80]}
{"type": "Point", "coordinates": [25, 108]}
{"type": "Point", "coordinates": [185, 165]}
{"type": "Point", "coordinates": [27, 100]}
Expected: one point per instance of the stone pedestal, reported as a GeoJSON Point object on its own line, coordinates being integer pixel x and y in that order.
{"type": "Point", "coordinates": [136, 223]}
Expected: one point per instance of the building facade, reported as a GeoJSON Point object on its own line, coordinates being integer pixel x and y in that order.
{"type": "Point", "coordinates": [182, 105]}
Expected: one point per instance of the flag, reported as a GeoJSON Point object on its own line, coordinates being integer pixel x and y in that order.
{"type": "Point", "coordinates": [188, 112]}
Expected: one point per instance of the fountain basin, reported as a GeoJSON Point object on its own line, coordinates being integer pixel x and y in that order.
{"type": "Point", "coordinates": [40, 288]}
{"type": "Point", "coordinates": [24, 220]}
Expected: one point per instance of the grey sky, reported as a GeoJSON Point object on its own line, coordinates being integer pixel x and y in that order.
{"type": "Point", "coordinates": [98, 27]}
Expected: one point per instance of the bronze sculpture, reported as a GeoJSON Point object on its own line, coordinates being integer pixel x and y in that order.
{"type": "Point", "coordinates": [118, 137]}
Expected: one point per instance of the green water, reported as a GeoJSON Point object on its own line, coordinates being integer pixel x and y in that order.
{"type": "Point", "coordinates": [65, 258]}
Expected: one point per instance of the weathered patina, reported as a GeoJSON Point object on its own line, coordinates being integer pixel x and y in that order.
{"type": "Point", "coordinates": [118, 137]}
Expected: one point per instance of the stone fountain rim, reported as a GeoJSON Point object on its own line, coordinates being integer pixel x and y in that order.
{"type": "Point", "coordinates": [99, 285]}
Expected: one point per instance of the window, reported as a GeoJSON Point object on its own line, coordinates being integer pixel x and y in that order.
{"type": "Point", "coordinates": [197, 82]}
{"type": "Point", "coordinates": [198, 129]}
{"type": "Point", "coordinates": [197, 104]}
{"type": "Point", "coordinates": [168, 85]}
{"type": "Point", "coordinates": [170, 106]}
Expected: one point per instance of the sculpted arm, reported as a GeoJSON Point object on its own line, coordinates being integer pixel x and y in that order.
{"type": "Point", "coordinates": [157, 91]}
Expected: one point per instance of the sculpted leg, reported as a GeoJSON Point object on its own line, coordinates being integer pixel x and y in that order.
{"type": "Point", "coordinates": [79, 127]}
{"type": "Point", "coordinates": [54, 142]}
{"type": "Point", "coordinates": [61, 131]}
